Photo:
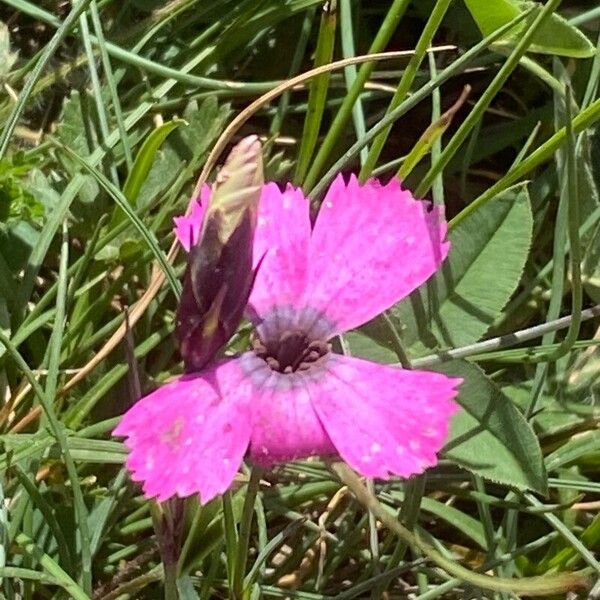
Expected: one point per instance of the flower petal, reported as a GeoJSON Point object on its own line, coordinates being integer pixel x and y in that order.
{"type": "Point", "coordinates": [187, 229]}
{"type": "Point", "coordinates": [190, 435]}
{"type": "Point", "coordinates": [384, 420]}
{"type": "Point", "coordinates": [285, 425]}
{"type": "Point", "coordinates": [281, 242]}
{"type": "Point", "coordinates": [372, 245]}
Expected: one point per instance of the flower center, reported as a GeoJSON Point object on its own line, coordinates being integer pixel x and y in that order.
{"type": "Point", "coordinates": [292, 351]}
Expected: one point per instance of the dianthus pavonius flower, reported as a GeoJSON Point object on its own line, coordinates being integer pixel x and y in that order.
{"type": "Point", "coordinates": [290, 397]}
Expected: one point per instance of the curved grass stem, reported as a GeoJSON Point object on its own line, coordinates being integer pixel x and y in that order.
{"type": "Point", "coordinates": [531, 586]}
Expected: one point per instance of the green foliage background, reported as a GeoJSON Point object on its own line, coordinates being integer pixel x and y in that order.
{"type": "Point", "coordinates": [109, 112]}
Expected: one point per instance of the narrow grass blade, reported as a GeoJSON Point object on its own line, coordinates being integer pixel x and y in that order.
{"type": "Point", "coordinates": [387, 29]}
{"type": "Point", "coordinates": [406, 81]}
{"type": "Point", "coordinates": [50, 566]}
{"type": "Point", "coordinates": [482, 104]}
{"type": "Point", "coordinates": [317, 91]}
{"type": "Point", "coordinates": [123, 203]}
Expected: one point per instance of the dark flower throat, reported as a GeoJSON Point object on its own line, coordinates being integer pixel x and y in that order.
{"type": "Point", "coordinates": [292, 352]}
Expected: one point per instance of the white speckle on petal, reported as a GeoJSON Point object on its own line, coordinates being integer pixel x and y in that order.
{"type": "Point", "coordinates": [375, 448]}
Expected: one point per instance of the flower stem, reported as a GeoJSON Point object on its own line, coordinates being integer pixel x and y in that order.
{"type": "Point", "coordinates": [532, 586]}
{"type": "Point", "coordinates": [244, 535]}
{"type": "Point", "coordinates": [168, 524]}
{"type": "Point", "coordinates": [231, 536]}
{"type": "Point", "coordinates": [170, 582]}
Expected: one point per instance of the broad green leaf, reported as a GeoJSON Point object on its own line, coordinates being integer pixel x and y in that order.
{"type": "Point", "coordinates": [458, 304]}
{"type": "Point", "coordinates": [26, 198]}
{"type": "Point", "coordinates": [488, 253]}
{"type": "Point", "coordinates": [492, 14]}
{"type": "Point", "coordinates": [553, 416]}
{"type": "Point", "coordinates": [555, 36]}
{"type": "Point", "coordinates": [489, 436]}
{"type": "Point", "coordinates": [205, 121]}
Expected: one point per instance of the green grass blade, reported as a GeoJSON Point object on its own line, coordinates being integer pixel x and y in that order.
{"type": "Point", "coordinates": [406, 81]}
{"type": "Point", "coordinates": [450, 71]}
{"type": "Point", "coordinates": [123, 203]}
{"type": "Point", "coordinates": [101, 111]}
{"type": "Point", "coordinates": [38, 253]}
{"type": "Point", "coordinates": [59, 434]}
{"type": "Point", "coordinates": [484, 101]}
{"type": "Point", "coordinates": [350, 72]}
{"type": "Point", "coordinates": [343, 115]}
{"type": "Point", "coordinates": [318, 88]}
{"type": "Point", "coordinates": [112, 84]}
{"type": "Point", "coordinates": [64, 550]}
{"type": "Point", "coordinates": [572, 191]}
{"type": "Point", "coordinates": [51, 567]}
{"type": "Point", "coordinates": [540, 155]}
{"type": "Point", "coordinates": [54, 352]}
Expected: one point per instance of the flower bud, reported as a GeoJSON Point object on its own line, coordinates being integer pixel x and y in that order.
{"type": "Point", "coordinates": [219, 275]}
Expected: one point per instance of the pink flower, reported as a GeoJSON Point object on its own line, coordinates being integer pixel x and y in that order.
{"type": "Point", "coordinates": [291, 397]}
{"type": "Point", "coordinates": [187, 229]}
